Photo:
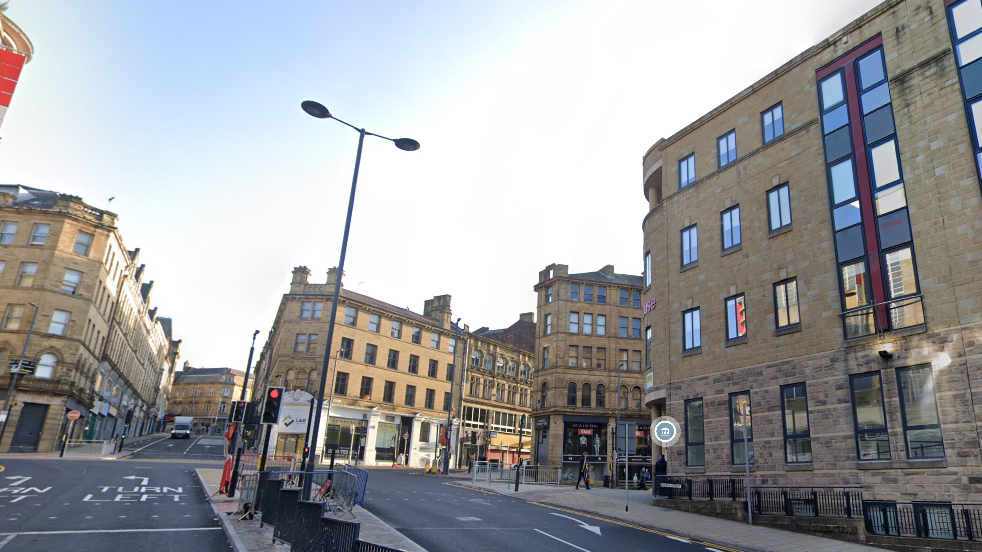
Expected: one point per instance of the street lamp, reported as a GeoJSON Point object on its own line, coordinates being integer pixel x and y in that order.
{"type": "Point", "coordinates": [13, 380]}
{"type": "Point", "coordinates": [456, 345]}
{"type": "Point", "coordinates": [317, 110]}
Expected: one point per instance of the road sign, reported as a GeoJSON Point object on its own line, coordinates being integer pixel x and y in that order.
{"type": "Point", "coordinates": [493, 435]}
{"type": "Point", "coordinates": [74, 415]}
{"type": "Point", "coordinates": [26, 366]}
{"type": "Point", "coordinates": [405, 436]}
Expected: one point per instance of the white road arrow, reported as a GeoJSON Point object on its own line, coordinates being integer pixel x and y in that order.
{"type": "Point", "coordinates": [144, 479]}
{"type": "Point", "coordinates": [20, 479]}
{"type": "Point", "coordinates": [592, 528]}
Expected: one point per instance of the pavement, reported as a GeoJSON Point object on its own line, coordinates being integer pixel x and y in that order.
{"type": "Point", "coordinates": [130, 445]}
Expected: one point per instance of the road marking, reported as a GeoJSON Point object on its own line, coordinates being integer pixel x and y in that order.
{"type": "Point", "coordinates": [469, 519]}
{"type": "Point", "coordinates": [470, 488]}
{"type": "Point", "coordinates": [591, 528]}
{"type": "Point", "coordinates": [192, 445]}
{"type": "Point", "coordinates": [562, 541]}
{"type": "Point", "coordinates": [6, 540]}
{"type": "Point", "coordinates": [151, 444]}
{"type": "Point", "coordinates": [2, 468]}
{"type": "Point", "coordinates": [97, 531]}
{"type": "Point", "coordinates": [713, 549]}
{"type": "Point", "coordinates": [687, 541]}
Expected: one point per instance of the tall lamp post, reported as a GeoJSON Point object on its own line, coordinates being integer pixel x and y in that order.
{"type": "Point", "coordinates": [237, 428]}
{"type": "Point", "coordinates": [446, 450]}
{"type": "Point", "coordinates": [317, 110]}
{"type": "Point", "coordinates": [16, 376]}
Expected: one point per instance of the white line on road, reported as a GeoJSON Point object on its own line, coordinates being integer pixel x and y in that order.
{"type": "Point", "coordinates": [713, 549]}
{"type": "Point", "coordinates": [6, 540]}
{"type": "Point", "coordinates": [150, 445]}
{"type": "Point", "coordinates": [192, 445]}
{"type": "Point", "coordinates": [562, 541]}
{"type": "Point", "coordinates": [677, 539]}
{"type": "Point", "coordinates": [96, 531]}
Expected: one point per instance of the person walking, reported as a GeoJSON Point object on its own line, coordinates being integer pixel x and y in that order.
{"type": "Point", "coordinates": [584, 473]}
{"type": "Point", "coordinates": [642, 479]}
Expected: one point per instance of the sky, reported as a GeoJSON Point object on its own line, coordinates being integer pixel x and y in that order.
{"type": "Point", "coordinates": [533, 118]}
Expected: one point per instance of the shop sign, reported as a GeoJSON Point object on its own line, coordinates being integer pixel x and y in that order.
{"type": "Point", "coordinates": [649, 380]}
{"type": "Point", "coordinates": [649, 306]}
{"type": "Point", "coordinates": [585, 432]}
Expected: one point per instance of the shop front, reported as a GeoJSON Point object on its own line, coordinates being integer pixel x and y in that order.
{"type": "Point", "coordinates": [638, 450]}
{"type": "Point", "coordinates": [581, 435]}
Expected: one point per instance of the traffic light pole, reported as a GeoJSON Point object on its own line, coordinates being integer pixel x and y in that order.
{"type": "Point", "coordinates": [236, 433]}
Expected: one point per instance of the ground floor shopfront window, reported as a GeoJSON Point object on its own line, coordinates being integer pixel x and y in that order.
{"type": "Point", "coordinates": [588, 437]}
{"type": "Point", "coordinates": [344, 438]}
{"type": "Point", "coordinates": [386, 442]}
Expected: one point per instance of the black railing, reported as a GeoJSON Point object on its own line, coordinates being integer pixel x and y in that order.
{"type": "Point", "coordinates": [309, 534]}
{"type": "Point", "coordinates": [286, 515]}
{"type": "Point", "coordinates": [362, 546]}
{"type": "Point", "coordinates": [929, 520]}
{"type": "Point", "coordinates": [270, 497]}
{"type": "Point", "coordinates": [840, 501]}
{"type": "Point", "coordinates": [344, 533]}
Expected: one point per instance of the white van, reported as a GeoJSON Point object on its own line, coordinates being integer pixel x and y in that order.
{"type": "Point", "coordinates": [182, 427]}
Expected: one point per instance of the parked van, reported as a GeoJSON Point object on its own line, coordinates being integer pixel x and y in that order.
{"type": "Point", "coordinates": [182, 427]}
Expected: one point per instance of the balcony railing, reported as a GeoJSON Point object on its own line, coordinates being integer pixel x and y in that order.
{"type": "Point", "coordinates": [901, 313]}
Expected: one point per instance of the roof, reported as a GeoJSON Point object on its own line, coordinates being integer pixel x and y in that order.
{"type": "Point", "coordinates": [391, 309]}
{"type": "Point", "coordinates": [168, 326]}
{"type": "Point", "coordinates": [32, 198]}
{"type": "Point", "coordinates": [204, 375]}
{"type": "Point", "coordinates": [600, 276]}
{"type": "Point", "coordinates": [520, 335]}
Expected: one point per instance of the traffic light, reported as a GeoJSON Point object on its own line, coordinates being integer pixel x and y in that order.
{"type": "Point", "coordinates": [238, 412]}
{"type": "Point", "coordinates": [271, 405]}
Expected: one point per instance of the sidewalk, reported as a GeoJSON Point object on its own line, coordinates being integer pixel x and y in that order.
{"type": "Point", "coordinates": [130, 445]}
{"type": "Point", "coordinates": [610, 503]}
{"type": "Point", "coordinates": [247, 536]}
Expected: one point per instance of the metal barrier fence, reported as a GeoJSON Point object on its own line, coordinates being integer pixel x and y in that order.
{"type": "Point", "coordinates": [286, 515]}
{"type": "Point", "coordinates": [341, 490]}
{"type": "Point", "coordinates": [247, 491]}
{"type": "Point", "coordinates": [494, 473]}
{"type": "Point", "coordinates": [78, 447]}
{"type": "Point", "coordinates": [929, 520]}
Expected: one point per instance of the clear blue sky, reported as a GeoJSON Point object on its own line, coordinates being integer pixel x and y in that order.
{"type": "Point", "coordinates": [533, 118]}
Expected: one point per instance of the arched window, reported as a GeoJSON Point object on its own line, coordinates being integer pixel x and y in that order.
{"type": "Point", "coordinates": [545, 388]}
{"type": "Point", "coordinates": [586, 396]}
{"type": "Point", "coordinates": [46, 366]}
{"type": "Point", "coordinates": [623, 397]}
{"type": "Point", "coordinates": [571, 394]}
{"type": "Point", "coordinates": [636, 395]}
{"type": "Point", "coordinates": [291, 376]}
{"type": "Point", "coordinates": [601, 396]}
{"type": "Point", "coordinates": [312, 382]}
{"type": "Point", "coordinates": [476, 359]}
{"type": "Point", "coordinates": [501, 365]}
{"type": "Point", "coordinates": [488, 362]}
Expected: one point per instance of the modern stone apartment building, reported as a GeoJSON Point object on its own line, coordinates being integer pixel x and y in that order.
{"type": "Point", "coordinates": [589, 333]}
{"type": "Point", "coordinates": [206, 394]}
{"type": "Point", "coordinates": [98, 346]}
{"type": "Point", "coordinates": [812, 253]}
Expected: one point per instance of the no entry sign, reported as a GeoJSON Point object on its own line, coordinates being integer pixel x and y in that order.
{"type": "Point", "coordinates": [74, 415]}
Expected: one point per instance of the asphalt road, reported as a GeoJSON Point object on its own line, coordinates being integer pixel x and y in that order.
{"type": "Point", "coordinates": [446, 518]}
{"type": "Point", "coordinates": [104, 505]}
{"type": "Point", "coordinates": [197, 447]}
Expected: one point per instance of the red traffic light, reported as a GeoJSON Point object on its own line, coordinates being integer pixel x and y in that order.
{"type": "Point", "coordinates": [274, 393]}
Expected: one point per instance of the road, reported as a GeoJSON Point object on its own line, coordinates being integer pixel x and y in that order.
{"type": "Point", "coordinates": [104, 505]}
{"type": "Point", "coordinates": [197, 447]}
{"type": "Point", "coordinates": [447, 518]}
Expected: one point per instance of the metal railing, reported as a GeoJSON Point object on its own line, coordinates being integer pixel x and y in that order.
{"type": "Point", "coordinates": [929, 520]}
{"type": "Point", "coordinates": [78, 447]}
{"type": "Point", "coordinates": [864, 320]}
{"type": "Point", "coordinates": [816, 501]}
{"type": "Point", "coordinates": [495, 473]}
{"type": "Point", "coordinates": [340, 489]}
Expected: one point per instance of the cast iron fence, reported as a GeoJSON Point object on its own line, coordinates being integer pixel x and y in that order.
{"type": "Point", "coordinates": [930, 520]}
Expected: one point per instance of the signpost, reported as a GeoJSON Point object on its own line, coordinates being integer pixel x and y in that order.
{"type": "Point", "coordinates": [73, 415]}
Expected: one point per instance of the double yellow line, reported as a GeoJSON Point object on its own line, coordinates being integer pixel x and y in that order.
{"type": "Point", "coordinates": [638, 527]}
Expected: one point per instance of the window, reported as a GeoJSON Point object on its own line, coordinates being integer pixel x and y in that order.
{"type": "Point", "coordinates": [311, 382]}
{"type": "Point", "coordinates": [59, 322]}
{"type": "Point", "coordinates": [622, 397]}
{"type": "Point", "coordinates": [374, 322]}
{"type": "Point", "coordinates": [601, 324]}
{"type": "Point", "coordinates": [647, 269]}
{"type": "Point", "coordinates": [636, 397]}
{"type": "Point", "coordinates": [574, 292]}
{"type": "Point", "coordinates": [772, 122]}
{"type": "Point", "coordinates": [366, 387]}
{"type": "Point", "coordinates": [731, 228]}
{"type": "Point", "coordinates": [389, 392]}
{"type": "Point", "coordinates": [71, 281]}
{"type": "Point", "coordinates": [602, 295]}
{"type": "Point", "coordinates": [347, 345]}
{"type": "Point", "coordinates": [740, 422]}
{"type": "Point", "coordinates": [370, 352]}
{"type": "Point", "coordinates": [7, 232]}
{"type": "Point", "coordinates": [545, 389]}
{"type": "Point", "coordinates": [602, 358]}
{"type": "Point", "coordinates": [727, 148]}
{"type": "Point", "coordinates": [636, 328]}
{"type": "Point", "coordinates": [797, 437]}
{"type": "Point", "coordinates": [300, 346]}
{"type": "Point", "coordinates": [601, 396]}
{"type": "Point", "coordinates": [446, 401]}
{"type": "Point", "coordinates": [690, 245]}
{"type": "Point", "coordinates": [588, 293]}
{"type": "Point", "coordinates": [549, 294]}
{"type": "Point", "coordinates": [396, 329]}
{"type": "Point", "coordinates": [410, 395]}
{"type": "Point", "coordinates": [430, 397]}
{"type": "Point", "coordinates": [586, 396]}
{"type": "Point", "coordinates": [872, 440]}
{"type": "Point", "coordinates": [919, 406]}
{"type": "Point", "coordinates": [83, 242]}
{"type": "Point", "coordinates": [39, 234]}
{"type": "Point", "coordinates": [624, 298]}
{"type": "Point", "coordinates": [587, 357]}
{"type": "Point", "coordinates": [413, 364]}
{"type": "Point", "coordinates": [25, 278]}
{"type": "Point", "coordinates": [548, 324]}
{"type": "Point", "coordinates": [695, 440]}
{"type": "Point", "coordinates": [574, 322]}
{"type": "Point", "coordinates": [3, 264]}
{"type": "Point", "coordinates": [350, 316]}
{"type": "Point", "coordinates": [687, 171]}
{"type": "Point", "coordinates": [311, 309]}
{"type": "Point", "coordinates": [786, 303]}
{"type": "Point", "coordinates": [340, 384]}
{"type": "Point", "coordinates": [636, 299]}
{"type": "Point", "coordinates": [435, 341]}
{"type": "Point", "coordinates": [432, 369]}
{"type": "Point", "coordinates": [647, 346]}
{"type": "Point", "coordinates": [545, 358]}
{"type": "Point", "coordinates": [779, 207]}
{"type": "Point", "coordinates": [452, 346]}
{"type": "Point", "coordinates": [501, 365]}
{"type": "Point", "coordinates": [393, 360]}
{"type": "Point", "coordinates": [572, 357]}
{"type": "Point", "coordinates": [46, 366]}
{"type": "Point", "coordinates": [691, 330]}
{"type": "Point", "coordinates": [489, 362]}
{"type": "Point", "coordinates": [571, 394]}
{"type": "Point", "coordinates": [450, 370]}
{"type": "Point", "coordinates": [736, 317]}
{"type": "Point", "coordinates": [587, 324]}
{"type": "Point", "coordinates": [417, 336]}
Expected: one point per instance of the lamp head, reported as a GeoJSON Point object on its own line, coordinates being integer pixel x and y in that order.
{"type": "Point", "coordinates": [315, 109]}
{"type": "Point", "coordinates": [885, 355]}
{"type": "Point", "coordinates": [406, 144]}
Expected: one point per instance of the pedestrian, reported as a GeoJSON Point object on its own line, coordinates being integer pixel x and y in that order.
{"type": "Point", "coordinates": [661, 466]}
{"type": "Point", "coordinates": [584, 473]}
{"type": "Point", "coordinates": [643, 479]}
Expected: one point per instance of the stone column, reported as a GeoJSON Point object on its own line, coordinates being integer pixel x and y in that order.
{"type": "Point", "coordinates": [412, 452]}
{"type": "Point", "coordinates": [370, 433]}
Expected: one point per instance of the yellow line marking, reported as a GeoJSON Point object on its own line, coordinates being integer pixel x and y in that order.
{"type": "Point", "coordinates": [2, 468]}
{"type": "Point", "coordinates": [470, 488]}
{"type": "Point", "coordinates": [632, 526]}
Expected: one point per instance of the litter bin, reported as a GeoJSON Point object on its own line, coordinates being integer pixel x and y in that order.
{"type": "Point", "coordinates": [607, 481]}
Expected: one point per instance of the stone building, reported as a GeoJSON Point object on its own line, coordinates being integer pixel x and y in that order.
{"type": "Point", "coordinates": [812, 266]}
{"type": "Point", "coordinates": [589, 339]}
{"type": "Point", "coordinates": [97, 345]}
{"type": "Point", "coordinates": [206, 394]}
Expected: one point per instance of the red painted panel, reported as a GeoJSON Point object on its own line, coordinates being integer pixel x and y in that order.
{"type": "Point", "coordinates": [12, 58]}
{"type": "Point", "coordinates": [5, 99]}
{"type": "Point", "coordinates": [849, 57]}
{"type": "Point", "coordinates": [9, 71]}
{"type": "Point", "coordinates": [7, 85]}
